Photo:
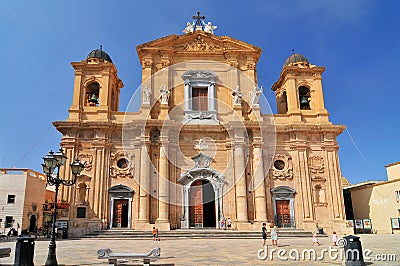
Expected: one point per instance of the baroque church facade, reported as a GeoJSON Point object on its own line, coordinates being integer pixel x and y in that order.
{"type": "Point", "coordinates": [201, 146]}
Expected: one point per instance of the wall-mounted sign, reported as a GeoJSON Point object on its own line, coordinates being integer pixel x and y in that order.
{"type": "Point", "coordinates": [395, 223]}
{"type": "Point", "coordinates": [367, 223]}
{"type": "Point", "coordinates": [359, 224]}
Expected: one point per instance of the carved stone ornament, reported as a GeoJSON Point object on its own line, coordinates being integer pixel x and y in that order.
{"type": "Point", "coordinates": [316, 164]}
{"type": "Point", "coordinates": [88, 158]}
{"type": "Point", "coordinates": [201, 115]}
{"type": "Point", "coordinates": [282, 167]}
{"type": "Point", "coordinates": [201, 145]}
{"type": "Point", "coordinates": [122, 165]}
{"type": "Point", "coordinates": [199, 44]}
{"type": "Point", "coordinates": [202, 170]}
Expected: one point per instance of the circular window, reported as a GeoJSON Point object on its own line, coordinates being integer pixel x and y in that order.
{"type": "Point", "coordinates": [279, 164]}
{"type": "Point", "coordinates": [122, 163]}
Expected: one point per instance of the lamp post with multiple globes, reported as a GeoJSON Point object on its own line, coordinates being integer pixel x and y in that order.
{"type": "Point", "coordinates": [53, 161]}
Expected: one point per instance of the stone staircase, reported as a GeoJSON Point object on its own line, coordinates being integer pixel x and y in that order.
{"type": "Point", "coordinates": [192, 233]}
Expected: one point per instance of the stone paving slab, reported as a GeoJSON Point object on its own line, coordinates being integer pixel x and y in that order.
{"type": "Point", "coordinates": [205, 251]}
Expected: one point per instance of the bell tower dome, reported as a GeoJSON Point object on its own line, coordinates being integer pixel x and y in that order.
{"type": "Point", "coordinates": [96, 88]}
{"type": "Point", "coordinates": [298, 91]}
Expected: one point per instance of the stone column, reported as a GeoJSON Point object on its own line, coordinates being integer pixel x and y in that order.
{"type": "Point", "coordinates": [240, 187]}
{"type": "Point", "coordinates": [292, 96]}
{"type": "Point", "coordinates": [144, 185]}
{"type": "Point", "coordinates": [163, 187]}
{"type": "Point", "coordinates": [259, 192]}
{"type": "Point", "coordinates": [187, 98]}
{"type": "Point", "coordinates": [301, 173]}
{"type": "Point", "coordinates": [333, 181]}
{"type": "Point", "coordinates": [211, 97]}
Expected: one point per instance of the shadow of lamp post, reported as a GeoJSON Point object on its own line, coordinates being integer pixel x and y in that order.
{"type": "Point", "coordinates": [53, 161]}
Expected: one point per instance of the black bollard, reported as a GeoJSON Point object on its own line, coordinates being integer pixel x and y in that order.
{"type": "Point", "coordinates": [24, 251]}
{"type": "Point", "coordinates": [353, 251]}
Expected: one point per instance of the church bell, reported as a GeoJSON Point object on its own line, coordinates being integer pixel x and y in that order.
{"type": "Point", "coordinates": [93, 98]}
{"type": "Point", "coordinates": [303, 100]}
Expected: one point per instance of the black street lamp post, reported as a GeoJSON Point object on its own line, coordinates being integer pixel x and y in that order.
{"type": "Point", "coordinates": [51, 162]}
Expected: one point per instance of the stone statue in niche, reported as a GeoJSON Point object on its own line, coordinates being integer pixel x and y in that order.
{"type": "Point", "coordinates": [237, 96]}
{"type": "Point", "coordinates": [82, 192]}
{"type": "Point", "coordinates": [146, 95]}
{"type": "Point", "coordinates": [254, 95]}
{"type": "Point", "coordinates": [319, 195]}
{"type": "Point", "coordinates": [164, 94]}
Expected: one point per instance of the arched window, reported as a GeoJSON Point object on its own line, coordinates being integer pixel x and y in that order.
{"type": "Point", "coordinates": [92, 94]}
{"type": "Point", "coordinates": [282, 103]}
{"type": "Point", "coordinates": [304, 98]}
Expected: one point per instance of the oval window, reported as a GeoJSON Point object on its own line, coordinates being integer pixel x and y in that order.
{"type": "Point", "coordinates": [279, 164]}
{"type": "Point", "coordinates": [122, 163]}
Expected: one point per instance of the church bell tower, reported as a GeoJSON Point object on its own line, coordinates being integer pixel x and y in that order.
{"type": "Point", "coordinates": [96, 88]}
{"type": "Point", "coordinates": [299, 90]}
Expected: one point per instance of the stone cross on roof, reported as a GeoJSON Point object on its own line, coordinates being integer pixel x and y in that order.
{"type": "Point", "coordinates": [198, 24]}
{"type": "Point", "coordinates": [198, 18]}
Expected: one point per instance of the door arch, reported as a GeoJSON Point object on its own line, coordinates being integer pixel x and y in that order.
{"type": "Point", "coordinates": [120, 206]}
{"type": "Point", "coordinates": [202, 204]}
{"type": "Point", "coordinates": [202, 172]}
{"type": "Point", "coordinates": [283, 205]}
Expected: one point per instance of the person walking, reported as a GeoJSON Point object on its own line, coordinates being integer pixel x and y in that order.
{"type": "Point", "coordinates": [274, 234]}
{"type": "Point", "coordinates": [315, 239]}
{"type": "Point", "coordinates": [264, 233]}
{"type": "Point", "coordinates": [229, 223]}
{"type": "Point", "coordinates": [222, 223]}
{"type": "Point", "coordinates": [154, 232]}
{"type": "Point", "coordinates": [157, 235]}
{"type": "Point", "coordinates": [334, 238]}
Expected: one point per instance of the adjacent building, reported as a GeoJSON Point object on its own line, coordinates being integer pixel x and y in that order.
{"type": "Point", "coordinates": [200, 145]}
{"type": "Point", "coordinates": [377, 201]}
{"type": "Point", "coordinates": [22, 196]}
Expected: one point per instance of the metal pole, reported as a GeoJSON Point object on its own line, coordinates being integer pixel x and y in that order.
{"type": "Point", "coordinates": [51, 256]}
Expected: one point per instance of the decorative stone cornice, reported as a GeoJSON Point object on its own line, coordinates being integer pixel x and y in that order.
{"type": "Point", "coordinates": [198, 42]}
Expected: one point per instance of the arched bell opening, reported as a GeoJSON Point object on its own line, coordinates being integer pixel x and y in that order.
{"type": "Point", "coordinates": [92, 94]}
{"type": "Point", "coordinates": [304, 98]}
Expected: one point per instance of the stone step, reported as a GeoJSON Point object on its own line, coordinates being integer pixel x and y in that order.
{"type": "Point", "coordinates": [192, 233]}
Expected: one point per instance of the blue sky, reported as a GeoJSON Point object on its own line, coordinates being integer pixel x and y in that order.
{"type": "Point", "coordinates": [357, 41]}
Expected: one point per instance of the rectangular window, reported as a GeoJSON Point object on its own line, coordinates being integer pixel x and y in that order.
{"type": "Point", "coordinates": [9, 222]}
{"type": "Point", "coordinates": [11, 199]}
{"type": "Point", "coordinates": [398, 195]}
{"type": "Point", "coordinates": [81, 212]}
{"type": "Point", "coordinates": [200, 99]}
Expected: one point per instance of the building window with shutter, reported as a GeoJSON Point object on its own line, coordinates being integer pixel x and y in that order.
{"type": "Point", "coordinates": [200, 99]}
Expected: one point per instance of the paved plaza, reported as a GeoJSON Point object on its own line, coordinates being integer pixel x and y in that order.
{"type": "Point", "coordinates": [185, 251]}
